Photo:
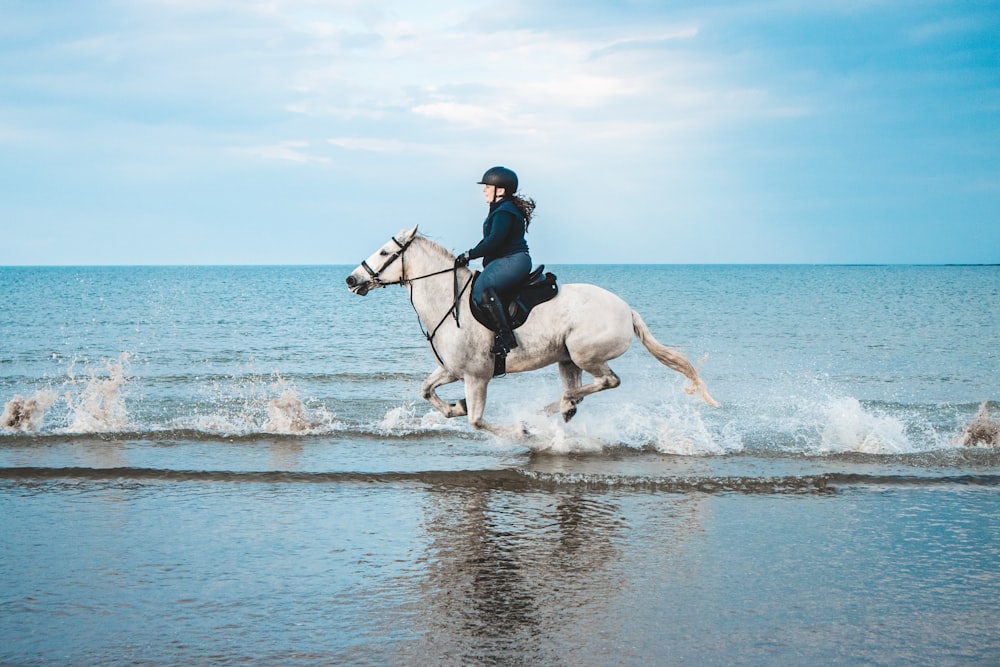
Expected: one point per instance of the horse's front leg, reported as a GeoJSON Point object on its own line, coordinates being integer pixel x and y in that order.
{"type": "Point", "coordinates": [475, 393]}
{"type": "Point", "coordinates": [441, 376]}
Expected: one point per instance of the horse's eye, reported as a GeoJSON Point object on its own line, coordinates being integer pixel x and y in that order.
{"type": "Point", "coordinates": [383, 252]}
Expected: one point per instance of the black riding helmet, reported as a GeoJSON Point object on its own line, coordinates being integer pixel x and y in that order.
{"type": "Point", "coordinates": [500, 177]}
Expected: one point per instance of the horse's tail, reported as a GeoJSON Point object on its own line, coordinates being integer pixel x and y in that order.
{"type": "Point", "coordinates": [671, 359]}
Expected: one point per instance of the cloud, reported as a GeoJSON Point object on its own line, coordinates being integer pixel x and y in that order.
{"type": "Point", "coordinates": [770, 103]}
{"type": "Point", "coordinates": [644, 43]}
{"type": "Point", "coordinates": [945, 28]}
{"type": "Point", "coordinates": [361, 10]}
{"type": "Point", "coordinates": [463, 114]}
{"type": "Point", "coordinates": [287, 151]}
{"type": "Point", "coordinates": [372, 145]}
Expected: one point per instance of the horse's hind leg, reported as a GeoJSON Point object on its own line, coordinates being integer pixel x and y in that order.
{"type": "Point", "coordinates": [604, 378]}
{"type": "Point", "coordinates": [571, 378]}
{"type": "Point", "coordinates": [439, 377]}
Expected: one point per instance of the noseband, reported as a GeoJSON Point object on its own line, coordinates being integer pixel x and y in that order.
{"type": "Point", "coordinates": [376, 275]}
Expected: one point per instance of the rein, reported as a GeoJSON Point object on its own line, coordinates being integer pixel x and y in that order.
{"type": "Point", "coordinates": [451, 311]}
{"type": "Point", "coordinates": [404, 281]}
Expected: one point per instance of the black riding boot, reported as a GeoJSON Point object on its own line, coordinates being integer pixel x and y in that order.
{"type": "Point", "coordinates": [505, 341]}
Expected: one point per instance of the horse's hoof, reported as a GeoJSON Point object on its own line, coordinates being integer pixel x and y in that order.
{"type": "Point", "coordinates": [569, 414]}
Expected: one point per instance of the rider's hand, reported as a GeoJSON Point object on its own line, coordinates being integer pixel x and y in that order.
{"type": "Point", "coordinates": [462, 260]}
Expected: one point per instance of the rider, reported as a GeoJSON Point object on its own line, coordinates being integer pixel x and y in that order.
{"type": "Point", "coordinates": [504, 251]}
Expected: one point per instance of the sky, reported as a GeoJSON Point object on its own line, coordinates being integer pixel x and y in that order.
{"type": "Point", "coordinates": [647, 131]}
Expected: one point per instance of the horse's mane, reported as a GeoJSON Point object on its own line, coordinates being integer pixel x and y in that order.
{"type": "Point", "coordinates": [435, 247]}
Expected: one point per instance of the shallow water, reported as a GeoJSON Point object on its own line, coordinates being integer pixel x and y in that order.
{"type": "Point", "coordinates": [233, 465]}
{"type": "Point", "coordinates": [425, 571]}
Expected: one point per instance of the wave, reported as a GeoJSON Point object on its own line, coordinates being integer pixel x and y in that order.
{"type": "Point", "coordinates": [155, 379]}
{"type": "Point", "coordinates": [341, 377]}
{"type": "Point", "coordinates": [513, 480]}
{"type": "Point", "coordinates": [96, 404]}
{"type": "Point", "coordinates": [236, 406]}
{"type": "Point", "coordinates": [844, 428]}
{"type": "Point", "coordinates": [821, 427]}
{"type": "Point", "coordinates": [196, 435]}
{"type": "Point", "coordinates": [106, 400]}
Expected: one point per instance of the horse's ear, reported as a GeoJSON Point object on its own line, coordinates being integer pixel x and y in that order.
{"type": "Point", "coordinates": [406, 235]}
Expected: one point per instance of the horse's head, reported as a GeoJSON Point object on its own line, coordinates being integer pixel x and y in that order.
{"type": "Point", "coordinates": [384, 267]}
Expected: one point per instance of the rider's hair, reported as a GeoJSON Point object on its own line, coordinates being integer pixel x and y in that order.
{"type": "Point", "coordinates": [526, 205]}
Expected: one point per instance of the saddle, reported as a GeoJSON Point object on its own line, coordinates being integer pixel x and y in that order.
{"type": "Point", "coordinates": [537, 288]}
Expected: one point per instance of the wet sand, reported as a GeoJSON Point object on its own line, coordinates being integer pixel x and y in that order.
{"type": "Point", "coordinates": [126, 569]}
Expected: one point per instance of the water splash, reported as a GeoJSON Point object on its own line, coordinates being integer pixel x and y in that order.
{"type": "Point", "coordinates": [552, 437]}
{"type": "Point", "coordinates": [813, 425]}
{"type": "Point", "coordinates": [100, 406]}
{"type": "Point", "coordinates": [982, 431]}
{"type": "Point", "coordinates": [27, 414]}
{"type": "Point", "coordinates": [258, 405]}
{"type": "Point", "coordinates": [406, 419]}
{"type": "Point", "coordinates": [287, 414]}
{"type": "Point", "coordinates": [667, 428]}
{"type": "Point", "coordinates": [819, 421]}
{"type": "Point", "coordinates": [851, 428]}
{"type": "Point", "coordinates": [810, 421]}
{"type": "Point", "coordinates": [214, 423]}
{"type": "Point", "coordinates": [676, 430]}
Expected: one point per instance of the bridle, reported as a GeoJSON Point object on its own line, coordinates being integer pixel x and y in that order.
{"type": "Point", "coordinates": [375, 277]}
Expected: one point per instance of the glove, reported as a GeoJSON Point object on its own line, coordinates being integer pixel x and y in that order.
{"type": "Point", "coordinates": [462, 260]}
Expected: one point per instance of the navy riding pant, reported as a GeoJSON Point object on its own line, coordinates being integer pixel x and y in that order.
{"type": "Point", "coordinates": [502, 274]}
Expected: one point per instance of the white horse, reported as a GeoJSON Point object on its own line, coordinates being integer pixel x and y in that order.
{"type": "Point", "coordinates": [581, 329]}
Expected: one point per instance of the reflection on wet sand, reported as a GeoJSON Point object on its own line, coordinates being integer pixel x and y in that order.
{"type": "Point", "coordinates": [512, 577]}
{"type": "Point", "coordinates": [284, 453]}
{"type": "Point", "coordinates": [507, 570]}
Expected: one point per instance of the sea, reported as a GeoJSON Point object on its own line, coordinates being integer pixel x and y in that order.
{"type": "Point", "coordinates": [234, 465]}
